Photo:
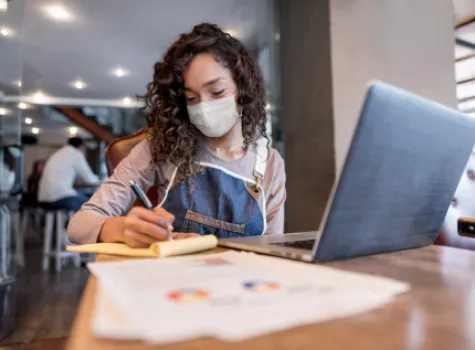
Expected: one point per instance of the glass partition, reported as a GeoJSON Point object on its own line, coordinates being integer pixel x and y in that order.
{"type": "Point", "coordinates": [11, 114]}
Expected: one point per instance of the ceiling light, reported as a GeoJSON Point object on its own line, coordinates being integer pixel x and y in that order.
{"type": "Point", "coordinates": [18, 83]}
{"type": "Point", "coordinates": [4, 111]}
{"type": "Point", "coordinates": [120, 72]}
{"type": "Point", "coordinates": [78, 84]}
{"type": "Point", "coordinates": [35, 130]}
{"type": "Point", "coordinates": [28, 121]}
{"type": "Point", "coordinates": [5, 31]}
{"type": "Point", "coordinates": [231, 32]}
{"type": "Point", "coordinates": [3, 5]}
{"type": "Point", "coordinates": [22, 105]}
{"type": "Point", "coordinates": [127, 101]}
{"type": "Point", "coordinates": [39, 96]}
{"type": "Point", "coordinates": [59, 13]}
{"type": "Point", "coordinates": [277, 36]}
{"type": "Point", "coordinates": [73, 130]}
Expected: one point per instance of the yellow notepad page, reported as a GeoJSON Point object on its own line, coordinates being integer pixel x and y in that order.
{"type": "Point", "coordinates": [156, 250]}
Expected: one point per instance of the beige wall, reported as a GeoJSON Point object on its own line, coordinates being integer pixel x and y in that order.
{"type": "Point", "coordinates": [408, 43]}
{"type": "Point", "coordinates": [330, 49]}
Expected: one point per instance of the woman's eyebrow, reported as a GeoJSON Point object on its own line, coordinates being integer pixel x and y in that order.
{"type": "Point", "coordinates": [208, 83]}
{"type": "Point", "coordinates": [212, 82]}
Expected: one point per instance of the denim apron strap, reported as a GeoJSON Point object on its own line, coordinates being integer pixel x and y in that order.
{"type": "Point", "coordinates": [219, 201]}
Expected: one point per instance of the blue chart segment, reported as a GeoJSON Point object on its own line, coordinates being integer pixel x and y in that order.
{"type": "Point", "coordinates": [261, 286]}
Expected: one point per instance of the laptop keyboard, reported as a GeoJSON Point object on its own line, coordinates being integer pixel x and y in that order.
{"type": "Point", "coordinates": [307, 245]}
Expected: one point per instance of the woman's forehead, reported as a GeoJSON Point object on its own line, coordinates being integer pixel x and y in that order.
{"type": "Point", "coordinates": [204, 68]}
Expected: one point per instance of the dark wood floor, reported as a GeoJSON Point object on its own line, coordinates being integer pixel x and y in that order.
{"type": "Point", "coordinates": [46, 304]}
{"type": "Point", "coordinates": [52, 344]}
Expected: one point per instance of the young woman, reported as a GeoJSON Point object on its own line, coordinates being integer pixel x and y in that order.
{"type": "Point", "coordinates": [206, 151]}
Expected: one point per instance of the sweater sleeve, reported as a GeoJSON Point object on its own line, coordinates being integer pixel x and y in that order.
{"type": "Point", "coordinates": [114, 197]}
{"type": "Point", "coordinates": [276, 194]}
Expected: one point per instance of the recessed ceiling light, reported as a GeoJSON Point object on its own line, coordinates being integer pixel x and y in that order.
{"type": "Point", "coordinates": [4, 111]}
{"type": "Point", "coordinates": [119, 72]}
{"type": "Point", "coordinates": [73, 130]}
{"type": "Point", "coordinates": [5, 31]}
{"type": "Point", "coordinates": [35, 130]}
{"type": "Point", "coordinates": [58, 13]}
{"type": "Point", "coordinates": [28, 121]}
{"type": "Point", "coordinates": [39, 96]}
{"type": "Point", "coordinates": [127, 101]}
{"type": "Point", "coordinates": [22, 105]}
{"type": "Point", "coordinates": [18, 83]}
{"type": "Point", "coordinates": [78, 84]}
{"type": "Point", "coordinates": [231, 32]}
{"type": "Point", "coordinates": [3, 5]}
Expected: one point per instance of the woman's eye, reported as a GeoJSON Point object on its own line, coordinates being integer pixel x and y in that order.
{"type": "Point", "coordinates": [217, 93]}
{"type": "Point", "coordinates": [190, 98]}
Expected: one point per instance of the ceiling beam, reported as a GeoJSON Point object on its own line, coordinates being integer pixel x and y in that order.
{"type": "Point", "coordinates": [465, 43]}
{"type": "Point", "coordinates": [465, 22]}
{"type": "Point", "coordinates": [465, 99]}
{"type": "Point", "coordinates": [466, 81]}
{"type": "Point", "coordinates": [84, 122]}
{"type": "Point", "coordinates": [466, 57]}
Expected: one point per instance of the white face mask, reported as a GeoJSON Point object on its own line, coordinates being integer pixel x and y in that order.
{"type": "Point", "coordinates": [214, 118]}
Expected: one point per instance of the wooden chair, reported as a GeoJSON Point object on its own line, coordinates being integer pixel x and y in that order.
{"type": "Point", "coordinates": [119, 149]}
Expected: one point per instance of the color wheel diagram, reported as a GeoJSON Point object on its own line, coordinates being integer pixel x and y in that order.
{"type": "Point", "coordinates": [194, 295]}
{"type": "Point", "coordinates": [188, 295]}
{"type": "Point", "coordinates": [261, 286]}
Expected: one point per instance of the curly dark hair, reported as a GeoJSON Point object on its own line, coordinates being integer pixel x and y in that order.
{"type": "Point", "coordinates": [171, 136]}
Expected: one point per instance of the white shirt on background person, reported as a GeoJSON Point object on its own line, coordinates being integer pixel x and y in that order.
{"type": "Point", "coordinates": [61, 171]}
{"type": "Point", "coordinates": [7, 178]}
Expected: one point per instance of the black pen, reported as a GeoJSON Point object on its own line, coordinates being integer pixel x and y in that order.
{"type": "Point", "coordinates": [141, 195]}
{"type": "Point", "coordinates": [143, 198]}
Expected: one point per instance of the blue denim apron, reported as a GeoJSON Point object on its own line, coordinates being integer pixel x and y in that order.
{"type": "Point", "coordinates": [220, 202]}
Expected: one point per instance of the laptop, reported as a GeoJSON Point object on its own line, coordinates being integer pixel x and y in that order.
{"type": "Point", "coordinates": [403, 166]}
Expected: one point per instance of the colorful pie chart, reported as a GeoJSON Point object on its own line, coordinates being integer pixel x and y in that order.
{"type": "Point", "coordinates": [261, 286]}
{"type": "Point", "coordinates": [188, 295]}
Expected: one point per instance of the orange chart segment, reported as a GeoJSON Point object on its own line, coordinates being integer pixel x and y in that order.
{"type": "Point", "coordinates": [188, 295]}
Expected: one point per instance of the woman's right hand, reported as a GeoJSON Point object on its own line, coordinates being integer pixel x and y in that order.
{"type": "Point", "coordinates": [143, 227]}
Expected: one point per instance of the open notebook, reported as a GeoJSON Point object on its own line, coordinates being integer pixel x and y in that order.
{"type": "Point", "coordinates": [156, 250]}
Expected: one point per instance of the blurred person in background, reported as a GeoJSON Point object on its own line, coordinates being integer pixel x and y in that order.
{"type": "Point", "coordinates": [62, 169]}
{"type": "Point", "coordinates": [7, 172]}
{"type": "Point", "coordinates": [31, 195]}
{"type": "Point", "coordinates": [206, 151]}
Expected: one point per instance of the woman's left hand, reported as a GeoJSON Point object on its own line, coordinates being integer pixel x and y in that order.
{"type": "Point", "coordinates": [180, 235]}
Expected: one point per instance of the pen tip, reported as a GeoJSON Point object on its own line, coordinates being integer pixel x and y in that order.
{"type": "Point", "coordinates": [132, 182]}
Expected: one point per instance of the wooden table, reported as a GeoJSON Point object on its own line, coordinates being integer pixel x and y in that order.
{"type": "Point", "coordinates": [438, 313]}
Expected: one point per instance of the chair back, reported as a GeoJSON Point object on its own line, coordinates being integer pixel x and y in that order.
{"type": "Point", "coordinates": [120, 148]}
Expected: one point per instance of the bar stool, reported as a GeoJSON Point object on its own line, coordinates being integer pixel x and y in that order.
{"type": "Point", "coordinates": [55, 220]}
{"type": "Point", "coordinates": [31, 218]}
{"type": "Point", "coordinates": [9, 224]}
